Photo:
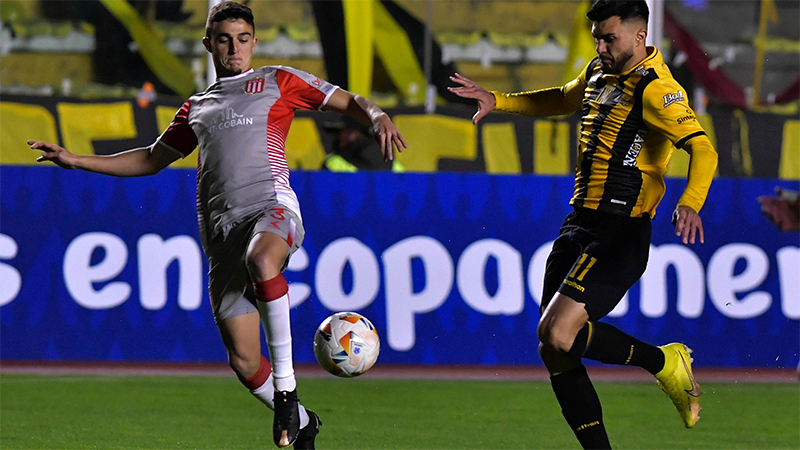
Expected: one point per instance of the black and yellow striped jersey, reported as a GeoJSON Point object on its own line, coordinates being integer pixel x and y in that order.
{"type": "Point", "coordinates": [630, 124]}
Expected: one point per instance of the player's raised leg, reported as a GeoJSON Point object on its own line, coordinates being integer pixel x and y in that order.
{"type": "Point", "coordinates": [671, 364]}
{"type": "Point", "coordinates": [598, 341]}
{"type": "Point", "coordinates": [677, 381]}
{"type": "Point", "coordinates": [265, 258]}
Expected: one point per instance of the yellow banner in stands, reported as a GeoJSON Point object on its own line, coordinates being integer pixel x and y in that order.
{"type": "Point", "coordinates": [398, 58]}
{"type": "Point", "coordinates": [551, 147]}
{"type": "Point", "coordinates": [582, 47]}
{"type": "Point", "coordinates": [304, 148]}
{"type": "Point", "coordinates": [500, 148]}
{"type": "Point", "coordinates": [164, 64]}
{"type": "Point", "coordinates": [436, 142]}
{"type": "Point", "coordinates": [790, 151]}
{"type": "Point", "coordinates": [82, 123]}
{"type": "Point", "coordinates": [359, 31]}
{"type": "Point", "coordinates": [18, 124]}
{"type": "Point", "coordinates": [433, 137]}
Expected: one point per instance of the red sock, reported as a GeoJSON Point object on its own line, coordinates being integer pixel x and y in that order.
{"type": "Point", "coordinates": [257, 380]}
{"type": "Point", "coordinates": [272, 289]}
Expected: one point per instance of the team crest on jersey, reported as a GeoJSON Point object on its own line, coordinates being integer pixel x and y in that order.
{"type": "Point", "coordinates": [673, 98]}
{"type": "Point", "coordinates": [611, 95]}
{"type": "Point", "coordinates": [255, 86]}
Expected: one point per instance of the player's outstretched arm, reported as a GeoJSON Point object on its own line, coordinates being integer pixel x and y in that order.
{"type": "Point", "coordinates": [131, 163]}
{"type": "Point", "coordinates": [368, 113]}
{"type": "Point", "coordinates": [554, 101]}
{"type": "Point", "coordinates": [469, 89]}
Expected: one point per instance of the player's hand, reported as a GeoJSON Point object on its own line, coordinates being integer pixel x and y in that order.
{"type": "Point", "coordinates": [387, 134]}
{"type": "Point", "coordinates": [468, 89]}
{"type": "Point", "coordinates": [688, 224]}
{"type": "Point", "coordinates": [783, 210]}
{"type": "Point", "coordinates": [52, 152]}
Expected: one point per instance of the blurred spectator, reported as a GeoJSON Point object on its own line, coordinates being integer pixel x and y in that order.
{"type": "Point", "coordinates": [353, 148]}
{"type": "Point", "coordinates": [783, 209]}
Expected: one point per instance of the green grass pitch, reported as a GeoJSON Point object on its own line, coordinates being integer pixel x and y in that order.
{"type": "Point", "coordinates": [121, 412]}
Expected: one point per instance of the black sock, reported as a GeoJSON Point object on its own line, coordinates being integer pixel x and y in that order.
{"type": "Point", "coordinates": [581, 407]}
{"type": "Point", "coordinates": [605, 343]}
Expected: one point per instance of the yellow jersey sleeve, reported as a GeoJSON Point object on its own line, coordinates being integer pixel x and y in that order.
{"type": "Point", "coordinates": [666, 110]}
{"type": "Point", "coordinates": [702, 166]}
{"type": "Point", "coordinates": [555, 101]}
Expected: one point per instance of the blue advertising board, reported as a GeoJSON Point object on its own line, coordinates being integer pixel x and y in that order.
{"type": "Point", "coordinates": [448, 266]}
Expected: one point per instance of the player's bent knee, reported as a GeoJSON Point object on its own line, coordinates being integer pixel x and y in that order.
{"type": "Point", "coordinates": [244, 360]}
{"type": "Point", "coordinates": [543, 351]}
{"type": "Point", "coordinates": [543, 330]}
{"type": "Point", "coordinates": [257, 261]}
{"type": "Point", "coordinates": [243, 366]}
{"type": "Point", "coordinates": [553, 336]}
{"type": "Point", "coordinates": [264, 264]}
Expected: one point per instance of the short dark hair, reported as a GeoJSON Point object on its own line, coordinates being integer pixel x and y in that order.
{"type": "Point", "coordinates": [625, 10]}
{"type": "Point", "coordinates": [229, 10]}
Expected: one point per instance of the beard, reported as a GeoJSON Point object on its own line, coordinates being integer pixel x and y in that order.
{"type": "Point", "coordinates": [614, 65]}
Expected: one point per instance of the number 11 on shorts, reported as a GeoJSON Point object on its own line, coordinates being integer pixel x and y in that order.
{"type": "Point", "coordinates": [582, 263]}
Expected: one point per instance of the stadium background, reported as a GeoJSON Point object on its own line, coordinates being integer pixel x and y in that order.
{"type": "Point", "coordinates": [445, 258]}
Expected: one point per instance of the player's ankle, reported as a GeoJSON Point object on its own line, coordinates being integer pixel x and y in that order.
{"type": "Point", "coordinates": [287, 383]}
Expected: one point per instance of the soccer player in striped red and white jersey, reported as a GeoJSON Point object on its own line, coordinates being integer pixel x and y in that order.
{"type": "Point", "coordinates": [248, 214]}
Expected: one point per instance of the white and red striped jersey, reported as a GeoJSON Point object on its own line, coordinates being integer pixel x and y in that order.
{"type": "Point", "coordinates": [240, 125]}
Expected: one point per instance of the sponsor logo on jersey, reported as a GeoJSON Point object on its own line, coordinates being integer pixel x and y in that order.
{"type": "Point", "coordinates": [228, 119]}
{"type": "Point", "coordinates": [686, 118]}
{"type": "Point", "coordinates": [227, 114]}
{"type": "Point", "coordinates": [673, 98]}
{"type": "Point", "coordinates": [636, 148]}
{"type": "Point", "coordinates": [254, 86]}
{"type": "Point", "coordinates": [316, 83]}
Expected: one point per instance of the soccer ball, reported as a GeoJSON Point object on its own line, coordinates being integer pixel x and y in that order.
{"type": "Point", "coordinates": [346, 344]}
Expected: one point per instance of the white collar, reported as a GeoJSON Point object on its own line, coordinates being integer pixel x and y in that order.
{"type": "Point", "coordinates": [243, 74]}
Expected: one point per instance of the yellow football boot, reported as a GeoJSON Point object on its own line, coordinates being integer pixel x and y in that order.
{"type": "Point", "coordinates": [677, 381]}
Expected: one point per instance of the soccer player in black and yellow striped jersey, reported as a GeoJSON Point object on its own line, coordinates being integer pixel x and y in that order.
{"type": "Point", "coordinates": [633, 115]}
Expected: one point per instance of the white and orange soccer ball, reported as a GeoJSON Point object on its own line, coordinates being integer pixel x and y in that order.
{"type": "Point", "coordinates": [346, 344]}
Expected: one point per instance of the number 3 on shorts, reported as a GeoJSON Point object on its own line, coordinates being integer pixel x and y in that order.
{"type": "Point", "coordinates": [582, 263]}
{"type": "Point", "coordinates": [277, 213]}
